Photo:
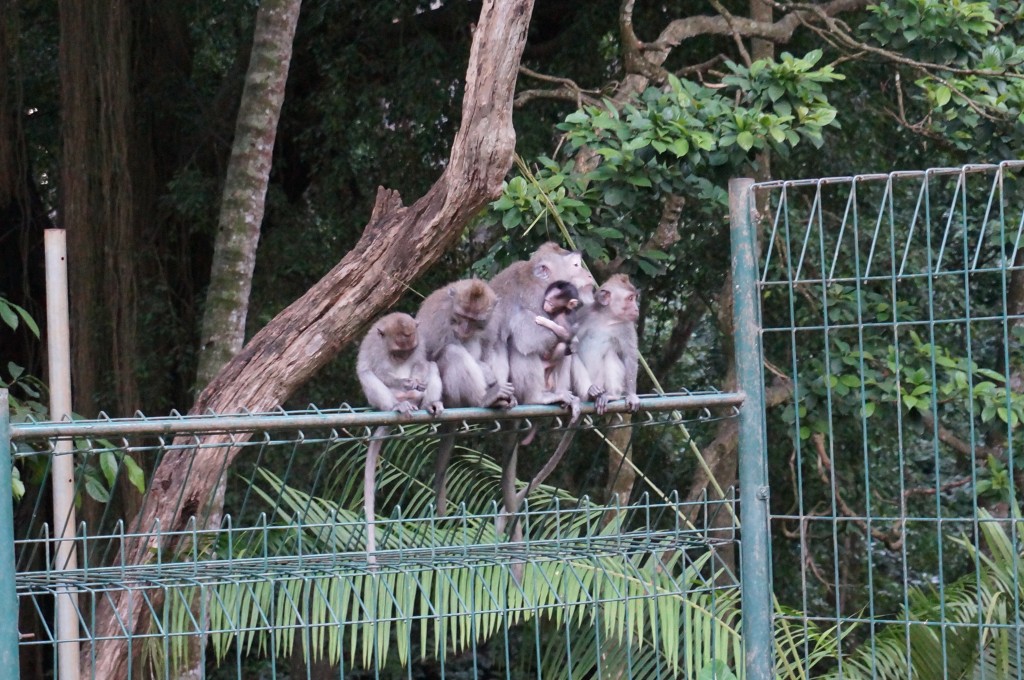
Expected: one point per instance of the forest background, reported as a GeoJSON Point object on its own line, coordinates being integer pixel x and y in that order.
{"type": "Point", "coordinates": [117, 122]}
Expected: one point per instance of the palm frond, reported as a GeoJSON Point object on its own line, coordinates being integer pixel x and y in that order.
{"type": "Point", "coordinates": [442, 586]}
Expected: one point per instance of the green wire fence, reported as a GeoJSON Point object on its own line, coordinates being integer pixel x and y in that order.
{"type": "Point", "coordinates": [280, 580]}
{"type": "Point", "coordinates": [880, 476]}
{"type": "Point", "coordinates": [893, 315]}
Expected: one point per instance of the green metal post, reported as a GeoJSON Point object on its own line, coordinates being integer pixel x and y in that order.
{"type": "Point", "coordinates": [8, 589]}
{"type": "Point", "coordinates": [755, 573]}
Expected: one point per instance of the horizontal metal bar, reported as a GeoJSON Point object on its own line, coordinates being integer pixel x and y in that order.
{"type": "Point", "coordinates": [900, 174]}
{"type": "Point", "coordinates": [209, 423]}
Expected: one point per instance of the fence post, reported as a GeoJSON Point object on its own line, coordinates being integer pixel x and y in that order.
{"type": "Point", "coordinates": [62, 464]}
{"type": "Point", "coordinates": [8, 589]}
{"type": "Point", "coordinates": [755, 553]}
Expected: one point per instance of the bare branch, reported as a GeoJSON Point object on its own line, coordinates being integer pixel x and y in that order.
{"type": "Point", "coordinates": [893, 539]}
{"type": "Point", "coordinates": [569, 90]}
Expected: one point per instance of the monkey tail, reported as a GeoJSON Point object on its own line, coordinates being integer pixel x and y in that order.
{"type": "Point", "coordinates": [370, 489]}
{"type": "Point", "coordinates": [444, 456]}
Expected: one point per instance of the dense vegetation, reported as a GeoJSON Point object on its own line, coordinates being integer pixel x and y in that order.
{"type": "Point", "coordinates": [116, 123]}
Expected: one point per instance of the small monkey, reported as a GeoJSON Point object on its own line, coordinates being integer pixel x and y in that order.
{"type": "Point", "coordinates": [395, 375]}
{"type": "Point", "coordinates": [393, 368]}
{"type": "Point", "coordinates": [605, 365]}
{"type": "Point", "coordinates": [561, 302]}
{"type": "Point", "coordinates": [457, 333]}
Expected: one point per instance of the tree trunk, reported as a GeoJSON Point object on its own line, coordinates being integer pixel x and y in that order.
{"type": "Point", "coordinates": [245, 187]}
{"type": "Point", "coordinates": [96, 200]}
{"type": "Point", "coordinates": [398, 244]}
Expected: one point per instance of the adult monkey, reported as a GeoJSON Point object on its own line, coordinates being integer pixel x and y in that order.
{"type": "Point", "coordinates": [523, 347]}
{"type": "Point", "coordinates": [457, 333]}
{"type": "Point", "coordinates": [522, 343]}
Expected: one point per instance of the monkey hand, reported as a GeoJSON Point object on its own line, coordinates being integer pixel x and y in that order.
{"type": "Point", "coordinates": [435, 408]}
{"type": "Point", "coordinates": [633, 402]}
{"type": "Point", "coordinates": [601, 403]}
{"type": "Point", "coordinates": [404, 408]}
{"type": "Point", "coordinates": [500, 395]}
{"type": "Point", "coordinates": [572, 346]}
{"type": "Point", "coordinates": [413, 385]}
{"type": "Point", "coordinates": [505, 402]}
{"type": "Point", "coordinates": [595, 391]}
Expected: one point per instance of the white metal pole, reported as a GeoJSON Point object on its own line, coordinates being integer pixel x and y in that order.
{"type": "Point", "coordinates": [63, 467]}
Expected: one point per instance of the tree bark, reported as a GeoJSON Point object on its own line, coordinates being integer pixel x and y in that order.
{"type": "Point", "coordinates": [245, 187]}
{"type": "Point", "coordinates": [399, 243]}
{"type": "Point", "coordinates": [96, 204]}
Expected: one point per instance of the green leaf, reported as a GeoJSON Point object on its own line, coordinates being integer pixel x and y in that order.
{"type": "Point", "coordinates": [108, 463]}
{"type": "Point", "coordinates": [745, 140]}
{"type": "Point", "coordinates": [680, 147]}
{"type": "Point", "coordinates": [613, 196]}
{"type": "Point", "coordinates": [95, 488]}
{"type": "Point", "coordinates": [17, 486]}
{"type": "Point", "coordinates": [577, 117]}
{"type": "Point", "coordinates": [942, 95]}
{"type": "Point", "coordinates": [15, 370]}
{"type": "Point", "coordinates": [517, 187]}
{"type": "Point", "coordinates": [608, 232]}
{"type": "Point", "coordinates": [27, 318]}
{"type": "Point", "coordinates": [511, 219]}
{"type": "Point", "coordinates": [647, 268]}
{"type": "Point", "coordinates": [503, 203]}
{"type": "Point", "coordinates": [8, 315]}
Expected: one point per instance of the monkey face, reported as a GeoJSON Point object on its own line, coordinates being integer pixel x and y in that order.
{"type": "Point", "coordinates": [622, 302]}
{"type": "Point", "coordinates": [465, 327]}
{"type": "Point", "coordinates": [402, 342]}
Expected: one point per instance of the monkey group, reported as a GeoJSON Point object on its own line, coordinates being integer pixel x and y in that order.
{"type": "Point", "coordinates": [540, 332]}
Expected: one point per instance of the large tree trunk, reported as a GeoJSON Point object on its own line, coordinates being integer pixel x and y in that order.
{"type": "Point", "coordinates": [96, 200]}
{"type": "Point", "coordinates": [399, 243]}
{"type": "Point", "coordinates": [245, 187]}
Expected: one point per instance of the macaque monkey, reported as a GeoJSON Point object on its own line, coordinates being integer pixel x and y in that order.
{"type": "Point", "coordinates": [395, 374]}
{"type": "Point", "coordinates": [606, 361]}
{"type": "Point", "coordinates": [456, 331]}
{"type": "Point", "coordinates": [522, 343]}
{"type": "Point", "coordinates": [561, 302]}
{"type": "Point", "coordinates": [393, 368]}
{"type": "Point", "coordinates": [523, 347]}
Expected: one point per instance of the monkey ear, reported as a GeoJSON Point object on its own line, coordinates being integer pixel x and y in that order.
{"type": "Point", "coordinates": [380, 332]}
{"type": "Point", "coordinates": [573, 303]}
{"type": "Point", "coordinates": [603, 297]}
{"type": "Point", "coordinates": [542, 271]}
{"type": "Point", "coordinates": [451, 291]}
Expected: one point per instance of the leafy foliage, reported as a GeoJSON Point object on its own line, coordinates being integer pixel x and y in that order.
{"type": "Point", "coordinates": [667, 141]}
{"type": "Point", "coordinates": [656, 604]}
{"type": "Point", "coordinates": [982, 631]}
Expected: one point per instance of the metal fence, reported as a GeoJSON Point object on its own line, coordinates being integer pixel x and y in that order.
{"type": "Point", "coordinates": [893, 330]}
{"type": "Point", "coordinates": [879, 340]}
{"type": "Point", "coordinates": [279, 583]}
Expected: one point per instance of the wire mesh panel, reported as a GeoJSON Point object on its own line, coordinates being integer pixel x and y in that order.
{"type": "Point", "coordinates": [892, 316]}
{"type": "Point", "coordinates": [269, 576]}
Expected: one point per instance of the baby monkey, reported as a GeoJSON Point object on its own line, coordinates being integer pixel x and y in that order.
{"type": "Point", "coordinates": [561, 308]}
